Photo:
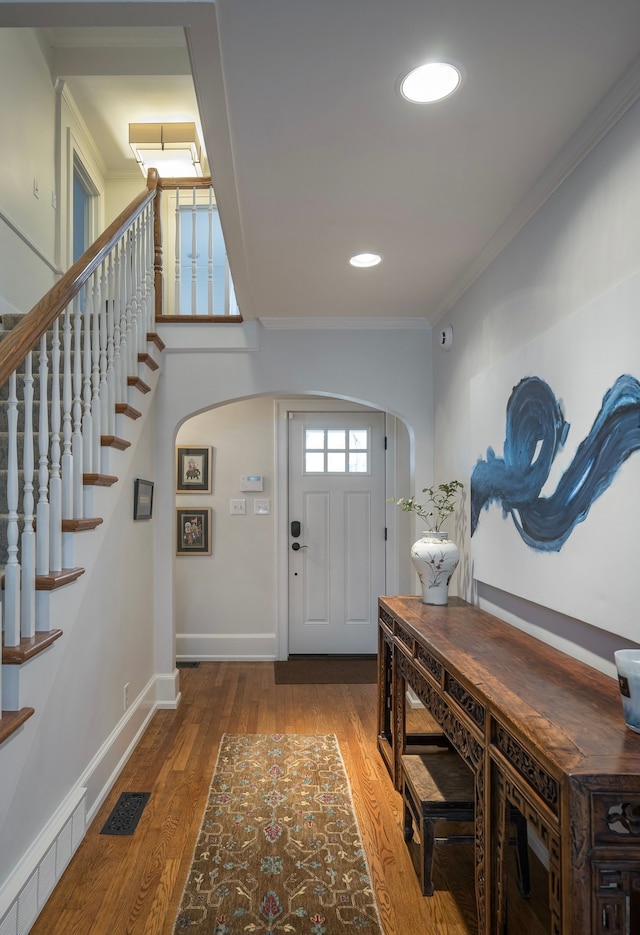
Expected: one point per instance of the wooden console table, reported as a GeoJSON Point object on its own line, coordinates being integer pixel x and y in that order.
{"type": "Point", "coordinates": [541, 731]}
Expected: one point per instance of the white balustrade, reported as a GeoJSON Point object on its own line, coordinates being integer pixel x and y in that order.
{"type": "Point", "coordinates": [200, 276]}
{"type": "Point", "coordinates": [82, 362]}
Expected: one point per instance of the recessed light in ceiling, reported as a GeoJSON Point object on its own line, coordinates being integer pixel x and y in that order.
{"type": "Point", "coordinates": [431, 82]}
{"type": "Point", "coordinates": [365, 259]}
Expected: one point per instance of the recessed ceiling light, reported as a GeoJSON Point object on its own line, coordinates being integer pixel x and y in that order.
{"type": "Point", "coordinates": [431, 82]}
{"type": "Point", "coordinates": [365, 259]}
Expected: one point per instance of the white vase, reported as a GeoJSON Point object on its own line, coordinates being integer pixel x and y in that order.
{"type": "Point", "coordinates": [435, 557]}
{"type": "Point", "coordinates": [628, 667]}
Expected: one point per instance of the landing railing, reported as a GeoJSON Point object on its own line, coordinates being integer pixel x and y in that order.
{"type": "Point", "coordinates": [194, 279]}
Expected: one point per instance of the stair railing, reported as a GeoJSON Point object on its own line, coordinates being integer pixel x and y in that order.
{"type": "Point", "coordinates": [66, 371]}
{"type": "Point", "coordinates": [197, 279]}
{"type": "Point", "coordinates": [84, 338]}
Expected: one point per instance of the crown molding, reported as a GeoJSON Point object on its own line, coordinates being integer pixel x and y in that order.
{"type": "Point", "coordinates": [600, 121]}
{"type": "Point", "coordinates": [344, 324]}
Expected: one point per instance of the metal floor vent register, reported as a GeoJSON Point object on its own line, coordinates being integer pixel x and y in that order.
{"type": "Point", "coordinates": [126, 813]}
{"type": "Point", "coordinates": [187, 665]}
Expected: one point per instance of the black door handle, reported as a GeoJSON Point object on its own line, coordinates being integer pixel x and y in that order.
{"type": "Point", "coordinates": [296, 546]}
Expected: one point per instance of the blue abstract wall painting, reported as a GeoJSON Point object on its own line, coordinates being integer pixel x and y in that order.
{"type": "Point", "coordinates": [555, 500]}
{"type": "Point", "coordinates": [535, 431]}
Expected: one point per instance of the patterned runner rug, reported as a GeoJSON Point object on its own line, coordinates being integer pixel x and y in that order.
{"type": "Point", "coordinates": [279, 850]}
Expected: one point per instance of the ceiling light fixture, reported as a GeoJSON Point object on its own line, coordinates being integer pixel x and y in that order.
{"type": "Point", "coordinates": [172, 148]}
{"type": "Point", "coordinates": [431, 82]}
{"type": "Point", "coordinates": [365, 259]}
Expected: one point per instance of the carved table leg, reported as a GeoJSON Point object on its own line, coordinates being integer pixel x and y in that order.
{"type": "Point", "coordinates": [500, 833]}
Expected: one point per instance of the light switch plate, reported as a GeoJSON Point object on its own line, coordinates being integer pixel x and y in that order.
{"type": "Point", "coordinates": [237, 507]}
{"type": "Point", "coordinates": [261, 507]}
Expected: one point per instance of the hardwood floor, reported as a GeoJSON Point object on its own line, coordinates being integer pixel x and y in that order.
{"type": "Point", "coordinates": [132, 885]}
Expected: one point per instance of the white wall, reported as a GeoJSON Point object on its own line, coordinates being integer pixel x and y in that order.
{"type": "Point", "coordinates": [388, 370]}
{"type": "Point", "coordinates": [582, 242]}
{"type": "Point", "coordinates": [230, 593]}
{"type": "Point", "coordinates": [27, 223]}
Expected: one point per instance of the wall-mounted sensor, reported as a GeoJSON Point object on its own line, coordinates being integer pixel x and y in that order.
{"type": "Point", "coordinates": [446, 337]}
{"type": "Point", "coordinates": [251, 482]}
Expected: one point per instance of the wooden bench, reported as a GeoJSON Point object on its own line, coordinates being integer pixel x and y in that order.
{"type": "Point", "coordinates": [439, 787]}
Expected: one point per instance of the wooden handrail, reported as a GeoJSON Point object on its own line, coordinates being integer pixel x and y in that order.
{"type": "Point", "coordinates": [21, 339]}
{"type": "Point", "coordinates": [169, 184]}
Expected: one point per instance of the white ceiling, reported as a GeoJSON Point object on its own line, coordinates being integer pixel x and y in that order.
{"type": "Point", "coordinates": [314, 154]}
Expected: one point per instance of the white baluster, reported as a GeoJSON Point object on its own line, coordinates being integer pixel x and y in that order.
{"type": "Point", "coordinates": [178, 248]}
{"type": "Point", "coordinates": [67, 422]}
{"type": "Point", "coordinates": [233, 302]}
{"type": "Point", "coordinates": [103, 391]}
{"type": "Point", "coordinates": [135, 306]}
{"type": "Point", "coordinates": [11, 598]}
{"type": "Point", "coordinates": [144, 299]}
{"type": "Point", "coordinates": [139, 306]}
{"type": "Point", "coordinates": [210, 306]}
{"type": "Point", "coordinates": [87, 416]}
{"type": "Point", "coordinates": [151, 290]}
{"type": "Point", "coordinates": [122, 290]}
{"type": "Point", "coordinates": [227, 289]}
{"type": "Point", "coordinates": [194, 255]}
{"type": "Point", "coordinates": [110, 425]}
{"type": "Point", "coordinates": [95, 376]}
{"type": "Point", "coordinates": [118, 395]}
{"type": "Point", "coordinates": [76, 439]}
{"type": "Point", "coordinates": [42, 509]}
{"type": "Point", "coordinates": [55, 481]}
{"type": "Point", "coordinates": [28, 541]}
{"type": "Point", "coordinates": [132, 367]}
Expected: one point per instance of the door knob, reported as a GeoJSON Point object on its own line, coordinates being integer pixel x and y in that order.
{"type": "Point", "coordinates": [296, 546]}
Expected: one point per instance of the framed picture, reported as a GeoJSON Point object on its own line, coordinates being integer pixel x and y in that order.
{"type": "Point", "coordinates": [193, 470]}
{"type": "Point", "coordinates": [142, 498]}
{"type": "Point", "coordinates": [193, 531]}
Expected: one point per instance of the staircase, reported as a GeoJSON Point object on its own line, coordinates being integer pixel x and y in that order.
{"type": "Point", "coordinates": [91, 346]}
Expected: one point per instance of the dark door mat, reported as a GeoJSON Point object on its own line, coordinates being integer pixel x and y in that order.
{"type": "Point", "coordinates": [326, 670]}
{"type": "Point", "coordinates": [187, 665]}
{"type": "Point", "coordinates": [126, 813]}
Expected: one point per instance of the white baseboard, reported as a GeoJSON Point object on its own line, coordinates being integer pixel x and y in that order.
{"type": "Point", "coordinates": [26, 891]}
{"type": "Point", "coordinates": [228, 647]}
{"type": "Point", "coordinates": [168, 690]}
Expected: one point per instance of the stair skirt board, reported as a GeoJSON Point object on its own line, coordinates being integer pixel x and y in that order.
{"type": "Point", "coordinates": [28, 888]}
{"type": "Point", "coordinates": [37, 872]}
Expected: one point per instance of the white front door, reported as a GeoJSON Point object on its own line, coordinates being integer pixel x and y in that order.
{"type": "Point", "coordinates": [337, 548]}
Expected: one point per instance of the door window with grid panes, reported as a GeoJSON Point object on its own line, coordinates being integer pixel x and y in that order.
{"type": "Point", "coordinates": [336, 451]}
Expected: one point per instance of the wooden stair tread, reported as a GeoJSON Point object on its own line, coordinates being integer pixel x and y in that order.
{"type": "Point", "coordinates": [99, 480]}
{"type": "Point", "coordinates": [58, 579]}
{"type": "Point", "coordinates": [126, 410]}
{"type": "Point", "coordinates": [155, 338]}
{"type": "Point", "coordinates": [81, 525]}
{"type": "Point", "coordinates": [147, 359]}
{"type": "Point", "coordinates": [11, 721]}
{"type": "Point", "coordinates": [112, 441]}
{"type": "Point", "coordinates": [138, 384]}
{"type": "Point", "coordinates": [29, 647]}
